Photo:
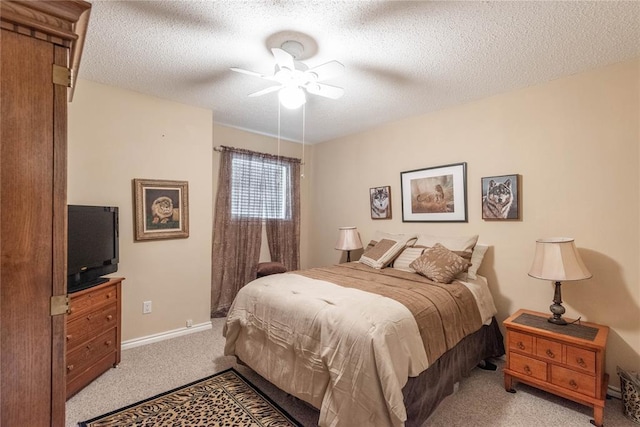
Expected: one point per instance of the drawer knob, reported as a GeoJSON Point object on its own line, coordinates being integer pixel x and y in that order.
{"type": "Point", "coordinates": [550, 353]}
{"type": "Point", "coordinates": [520, 345]}
{"type": "Point", "coordinates": [69, 337]}
{"type": "Point", "coordinates": [69, 368]}
{"type": "Point", "coordinates": [581, 362]}
{"type": "Point", "coordinates": [527, 370]}
{"type": "Point", "coordinates": [109, 317]}
{"type": "Point", "coordinates": [573, 384]}
{"type": "Point", "coordinates": [107, 343]}
{"type": "Point", "coordinates": [108, 295]}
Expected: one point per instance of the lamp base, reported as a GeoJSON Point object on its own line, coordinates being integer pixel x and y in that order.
{"type": "Point", "coordinates": [557, 320]}
{"type": "Point", "coordinates": [556, 308]}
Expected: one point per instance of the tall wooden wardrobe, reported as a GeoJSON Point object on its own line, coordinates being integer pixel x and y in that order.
{"type": "Point", "coordinates": [40, 42]}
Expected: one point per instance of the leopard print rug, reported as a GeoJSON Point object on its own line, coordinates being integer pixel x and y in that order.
{"type": "Point", "coordinates": [223, 399]}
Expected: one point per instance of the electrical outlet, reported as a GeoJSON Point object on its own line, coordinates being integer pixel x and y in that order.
{"type": "Point", "coordinates": [189, 323]}
{"type": "Point", "coordinates": [146, 307]}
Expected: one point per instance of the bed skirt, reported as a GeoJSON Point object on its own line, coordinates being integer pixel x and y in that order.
{"type": "Point", "coordinates": [423, 393]}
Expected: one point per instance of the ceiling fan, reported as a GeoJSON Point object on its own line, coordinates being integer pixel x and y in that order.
{"type": "Point", "coordinates": [294, 78]}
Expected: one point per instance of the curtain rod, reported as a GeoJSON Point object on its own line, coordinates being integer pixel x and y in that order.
{"type": "Point", "coordinates": [221, 148]}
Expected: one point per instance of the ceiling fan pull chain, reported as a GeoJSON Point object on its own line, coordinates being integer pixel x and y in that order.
{"type": "Point", "coordinates": [279, 130]}
{"type": "Point", "coordinates": [304, 122]}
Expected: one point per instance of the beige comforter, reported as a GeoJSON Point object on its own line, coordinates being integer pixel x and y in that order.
{"type": "Point", "coordinates": [348, 347]}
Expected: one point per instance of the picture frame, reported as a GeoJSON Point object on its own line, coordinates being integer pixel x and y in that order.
{"type": "Point", "coordinates": [161, 209]}
{"type": "Point", "coordinates": [435, 194]}
{"type": "Point", "coordinates": [380, 202]}
{"type": "Point", "coordinates": [501, 197]}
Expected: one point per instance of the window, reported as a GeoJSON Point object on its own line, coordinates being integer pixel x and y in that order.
{"type": "Point", "coordinates": [260, 188]}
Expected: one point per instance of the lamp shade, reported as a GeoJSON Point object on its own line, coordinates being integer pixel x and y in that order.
{"type": "Point", "coordinates": [348, 239]}
{"type": "Point", "coordinates": [558, 259]}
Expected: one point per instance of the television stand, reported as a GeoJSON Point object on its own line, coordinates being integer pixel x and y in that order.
{"type": "Point", "coordinates": [93, 333]}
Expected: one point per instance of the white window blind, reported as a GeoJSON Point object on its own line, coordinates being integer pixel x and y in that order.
{"type": "Point", "coordinates": [260, 188]}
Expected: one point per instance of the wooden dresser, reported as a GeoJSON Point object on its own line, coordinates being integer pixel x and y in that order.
{"type": "Point", "coordinates": [93, 333]}
{"type": "Point", "coordinates": [564, 360]}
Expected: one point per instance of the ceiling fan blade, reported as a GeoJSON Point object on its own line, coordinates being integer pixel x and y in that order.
{"type": "Point", "coordinates": [265, 91]}
{"type": "Point", "coordinates": [327, 70]}
{"type": "Point", "coordinates": [328, 91]}
{"type": "Point", "coordinates": [283, 58]}
{"type": "Point", "coordinates": [251, 73]}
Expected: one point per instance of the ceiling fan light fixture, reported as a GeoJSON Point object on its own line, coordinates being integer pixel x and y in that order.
{"type": "Point", "coordinates": [292, 97]}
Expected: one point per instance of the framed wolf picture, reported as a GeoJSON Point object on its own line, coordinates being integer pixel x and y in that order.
{"type": "Point", "coordinates": [380, 198]}
{"type": "Point", "coordinates": [501, 197]}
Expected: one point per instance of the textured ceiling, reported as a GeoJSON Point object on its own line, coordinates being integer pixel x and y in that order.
{"type": "Point", "coordinates": [400, 58]}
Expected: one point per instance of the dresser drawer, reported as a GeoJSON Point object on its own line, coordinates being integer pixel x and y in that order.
{"type": "Point", "coordinates": [520, 342]}
{"type": "Point", "coordinates": [528, 366]}
{"type": "Point", "coordinates": [84, 356]}
{"type": "Point", "coordinates": [91, 324]}
{"type": "Point", "coordinates": [549, 350]}
{"type": "Point", "coordinates": [581, 359]}
{"type": "Point", "coordinates": [574, 381]}
{"type": "Point", "coordinates": [78, 305]}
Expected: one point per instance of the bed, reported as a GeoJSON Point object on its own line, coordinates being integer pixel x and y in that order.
{"type": "Point", "coordinates": [369, 342]}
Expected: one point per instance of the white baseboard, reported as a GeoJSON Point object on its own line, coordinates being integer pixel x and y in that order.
{"type": "Point", "coordinates": [149, 339]}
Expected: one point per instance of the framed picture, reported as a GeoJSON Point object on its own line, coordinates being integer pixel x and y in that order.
{"type": "Point", "coordinates": [437, 194]}
{"type": "Point", "coordinates": [501, 197]}
{"type": "Point", "coordinates": [380, 198]}
{"type": "Point", "coordinates": [161, 209]}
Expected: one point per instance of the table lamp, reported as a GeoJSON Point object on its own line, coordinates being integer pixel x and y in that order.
{"type": "Point", "coordinates": [348, 240]}
{"type": "Point", "coordinates": [557, 259]}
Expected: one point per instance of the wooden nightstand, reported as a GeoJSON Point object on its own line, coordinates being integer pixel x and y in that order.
{"type": "Point", "coordinates": [564, 360]}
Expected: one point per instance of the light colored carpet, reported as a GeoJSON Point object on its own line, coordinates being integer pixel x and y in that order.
{"type": "Point", "coordinates": [480, 400]}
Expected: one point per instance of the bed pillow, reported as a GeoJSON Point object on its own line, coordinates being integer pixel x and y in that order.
{"type": "Point", "coordinates": [406, 257]}
{"type": "Point", "coordinates": [385, 249]}
{"type": "Point", "coordinates": [439, 264]}
{"type": "Point", "coordinates": [462, 246]}
{"type": "Point", "coordinates": [476, 260]}
{"type": "Point", "coordinates": [453, 243]}
{"type": "Point", "coordinates": [379, 235]}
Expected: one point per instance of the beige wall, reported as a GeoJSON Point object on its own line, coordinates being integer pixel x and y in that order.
{"type": "Point", "coordinates": [117, 135]}
{"type": "Point", "coordinates": [574, 141]}
{"type": "Point", "coordinates": [223, 135]}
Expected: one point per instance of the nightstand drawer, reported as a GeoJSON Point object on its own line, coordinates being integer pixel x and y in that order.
{"type": "Point", "coordinates": [528, 366]}
{"type": "Point", "coordinates": [574, 381]}
{"type": "Point", "coordinates": [520, 342]}
{"type": "Point", "coordinates": [550, 350]}
{"type": "Point", "coordinates": [582, 359]}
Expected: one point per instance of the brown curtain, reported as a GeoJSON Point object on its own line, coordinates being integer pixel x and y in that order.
{"type": "Point", "coordinates": [283, 235]}
{"type": "Point", "coordinates": [237, 237]}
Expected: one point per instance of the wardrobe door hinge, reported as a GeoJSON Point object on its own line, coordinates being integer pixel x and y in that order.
{"type": "Point", "coordinates": [61, 75]}
{"type": "Point", "coordinates": [59, 304]}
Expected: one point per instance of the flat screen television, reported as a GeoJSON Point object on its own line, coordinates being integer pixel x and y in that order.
{"type": "Point", "coordinates": [92, 245]}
